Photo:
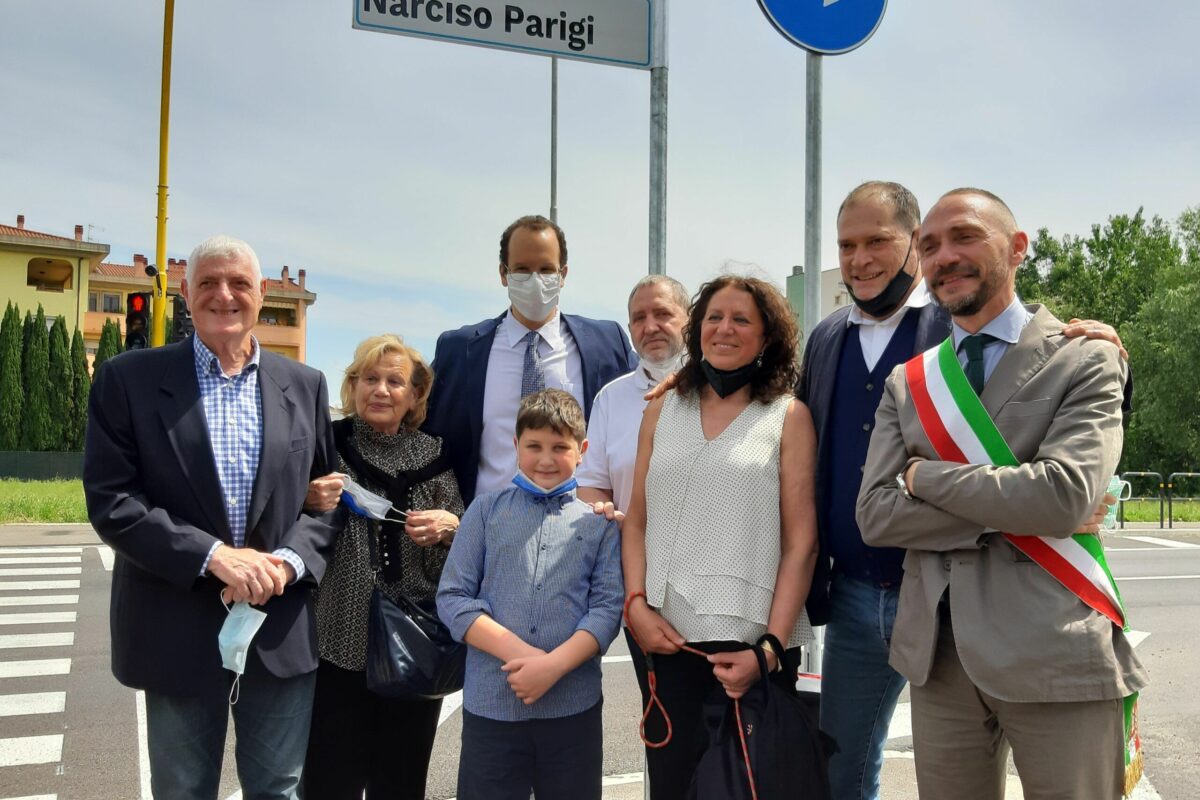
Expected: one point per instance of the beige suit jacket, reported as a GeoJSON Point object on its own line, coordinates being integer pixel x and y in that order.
{"type": "Point", "coordinates": [1021, 635]}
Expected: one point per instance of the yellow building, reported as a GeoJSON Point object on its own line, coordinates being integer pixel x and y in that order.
{"type": "Point", "coordinates": [38, 267]}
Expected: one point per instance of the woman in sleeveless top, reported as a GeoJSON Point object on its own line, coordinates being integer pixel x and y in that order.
{"type": "Point", "coordinates": [719, 544]}
{"type": "Point", "coordinates": [361, 742]}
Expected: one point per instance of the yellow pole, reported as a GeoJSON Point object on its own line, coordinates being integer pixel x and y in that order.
{"type": "Point", "coordinates": [158, 309]}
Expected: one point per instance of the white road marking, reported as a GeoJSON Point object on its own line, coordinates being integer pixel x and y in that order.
{"type": "Point", "coordinates": [616, 659]}
{"type": "Point", "coordinates": [106, 556]}
{"type": "Point", "coordinates": [20, 571]}
{"type": "Point", "coordinates": [1137, 637]}
{"type": "Point", "coordinates": [1165, 542]}
{"type": "Point", "coordinates": [622, 779]}
{"type": "Point", "coordinates": [139, 702]}
{"type": "Point", "coordinates": [450, 704]}
{"type": "Point", "coordinates": [11, 641]}
{"type": "Point", "coordinates": [38, 618]}
{"type": "Point", "coordinates": [18, 705]}
{"type": "Point", "coordinates": [16, 551]}
{"type": "Point", "coordinates": [36, 586]}
{"type": "Point", "coordinates": [35, 668]}
{"type": "Point", "coordinates": [901, 725]}
{"type": "Point", "coordinates": [34, 797]}
{"type": "Point", "coordinates": [1159, 578]}
{"type": "Point", "coordinates": [41, 600]}
{"type": "Point", "coordinates": [41, 559]}
{"type": "Point", "coordinates": [31, 750]}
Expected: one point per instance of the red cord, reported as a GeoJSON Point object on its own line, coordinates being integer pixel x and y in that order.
{"type": "Point", "coordinates": [652, 684]}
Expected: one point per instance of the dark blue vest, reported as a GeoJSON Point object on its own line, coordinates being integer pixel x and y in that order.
{"type": "Point", "coordinates": [856, 396]}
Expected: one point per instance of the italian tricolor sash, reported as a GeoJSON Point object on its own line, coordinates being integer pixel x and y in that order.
{"type": "Point", "coordinates": [961, 431]}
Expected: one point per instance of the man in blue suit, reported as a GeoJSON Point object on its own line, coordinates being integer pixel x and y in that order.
{"type": "Point", "coordinates": [849, 355]}
{"type": "Point", "coordinates": [482, 371]}
{"type": "Point", "coordinates": [195, 468]}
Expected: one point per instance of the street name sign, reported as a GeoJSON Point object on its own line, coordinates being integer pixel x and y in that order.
{"type": "Point", "coordinates": [828, 27]}
{"type": "Point", "coordinates": [615, 32]}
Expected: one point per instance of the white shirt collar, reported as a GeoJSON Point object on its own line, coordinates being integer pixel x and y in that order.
{"type": "Point", "coordinates": [917, 298]}
{"type": "Point", "coordinates": [513, 331]}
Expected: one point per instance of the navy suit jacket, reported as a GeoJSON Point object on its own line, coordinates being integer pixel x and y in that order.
{"type": "Point", "coordinates": [153, 494]}
{"type": "Point", "coordinates": [460, 371]}
{"type": "Point", "coordinates": [817, 375]}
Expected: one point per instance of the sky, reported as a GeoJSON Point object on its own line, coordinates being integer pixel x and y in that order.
{"type": "Point", "coordinates": [387, 166]}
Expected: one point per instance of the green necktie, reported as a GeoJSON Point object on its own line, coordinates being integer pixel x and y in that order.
{"type": "Point", "coordinates": [973, 346]}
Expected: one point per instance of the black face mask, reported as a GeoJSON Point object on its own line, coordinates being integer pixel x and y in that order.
{"type": "Point", "coordinates": [887, 301]}
{"type": "Point", "coordinates": [727, 381]}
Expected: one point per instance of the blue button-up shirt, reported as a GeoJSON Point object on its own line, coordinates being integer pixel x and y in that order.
{"type": "Point", "coordinates": [233, 411]}
{"type": "Point", "coordinates": [1005, 328]}
{"type": "Point", "coordinates": [544, 568]}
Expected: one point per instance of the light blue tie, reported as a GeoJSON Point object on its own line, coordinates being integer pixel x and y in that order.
{"type": "Point", "coordinates": [533, 379]}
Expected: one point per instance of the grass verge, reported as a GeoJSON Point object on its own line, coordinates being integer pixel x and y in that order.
{"type": "Point", "coordinates": [1147, 511]}
{"type": "Point", "coordinates": [41, 501]}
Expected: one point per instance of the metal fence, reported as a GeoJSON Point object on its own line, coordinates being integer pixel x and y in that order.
{"type": "Point", "coordinates": [29, 466]}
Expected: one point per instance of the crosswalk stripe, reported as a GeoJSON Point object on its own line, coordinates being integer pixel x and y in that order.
{"type": "Point", "coordinates": [31, 750]}
{"type": "Point", "coordinates": [41, 559]}
{"type": "Point", "coordinates": [901, 724]}
{"type": "Point", "coordinates": [35, 668]}
{"type": "Point", "coordinates": [19, 551]}
{"type": "Point", "coordinates": [36, 586]}
{"type": "Point", "coordinates": [1164, 542]}
{"type": "Point", "coordinates": [38, 618]}
{"type": "Point", "coordinates": [10, 641]}
{"type": "Point", "coordinates": [107, 557]}
{"type": "Point", "coordinates": [26, 571]}
{"type": "Point", "coordinates": [40, 600]}
{"type": "Point", "coordinates": [33, 797]}
{"type": "Point", "coordinates": [17, 705]}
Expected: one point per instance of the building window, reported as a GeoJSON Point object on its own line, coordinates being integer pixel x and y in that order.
{"type": "Point", "coordinates": [278, 316]}
{"type": "Point", "coordinates": [49, 274]}
{"type": "Point", "coordinates": [112, 303]}
{"type": "Point", "coordinates": [93, 301]}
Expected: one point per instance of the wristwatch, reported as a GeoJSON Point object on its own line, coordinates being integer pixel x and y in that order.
{"type": "Point", "coordinates": [903, 487]}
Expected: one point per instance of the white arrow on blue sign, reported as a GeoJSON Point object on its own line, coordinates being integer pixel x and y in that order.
{"type": "Point", "coordinates": [825, 26]}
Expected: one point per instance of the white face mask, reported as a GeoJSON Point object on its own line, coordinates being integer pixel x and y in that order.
{"type": "Point", "coordinates": [237, 632]}
{"type": "Point", "coordinates": [535, 295]}
{"type": "Point", "coordinates": [366, 503]}
{"type": "Point", "coordinates": [659, 370]}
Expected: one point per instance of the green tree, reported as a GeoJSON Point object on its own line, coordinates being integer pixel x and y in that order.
{"type": "Point", "coordinates": [12, 397]}
{"type": "Point", "coordinates": [81, 387]}
{"type": "Point", "coordinates": [62, 406]}
{"type": "Point", "coordinates": [110, 344]}
{"type": "Point", "coordinates": [36, 428]}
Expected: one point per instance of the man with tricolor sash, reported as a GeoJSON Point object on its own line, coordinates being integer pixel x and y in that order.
{"type": "Point", "coordinates": [990, 455]}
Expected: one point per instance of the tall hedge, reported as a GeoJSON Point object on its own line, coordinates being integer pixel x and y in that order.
{"type": "Point", "coordinates": [62, 405]}
{"type": "Point", "coordinates": [81, 387]}
{"type": "Point", "coordinates": [36, 428]}
{"type": "Point", "coordinates": [12, 398]}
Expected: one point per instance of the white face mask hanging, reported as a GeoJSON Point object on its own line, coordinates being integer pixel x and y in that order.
{"type": "Point", "coordinates": [368, 504]}
{"type": "Point", "coordinates": [234, 640]}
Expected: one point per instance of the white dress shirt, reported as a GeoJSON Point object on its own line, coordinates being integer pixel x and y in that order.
{"type": "Point", "coordinates": [613, 436]}
{"type": "Point", "coordinates": [502, 392]}
{"type": "Point", "coordinates": [874, 335]}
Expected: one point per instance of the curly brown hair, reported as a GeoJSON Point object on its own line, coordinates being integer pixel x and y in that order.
{"type": "Point", "coordinates": [779, 371]}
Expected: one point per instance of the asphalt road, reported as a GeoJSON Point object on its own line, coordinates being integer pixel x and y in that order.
{"type": "Point", "coordinates": [68, 730]}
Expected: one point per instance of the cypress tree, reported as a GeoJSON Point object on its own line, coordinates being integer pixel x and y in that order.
{"type": "Point", "coordinates": [12, 398]}
{"type": "Point", "coordinates": [35, 426]}
{"type": "Point", "coordinates": [110, 344]}
{"type": "Point", "coordinates": [81, 387]}
{"type": "Point", "coordinates": [60, 402]}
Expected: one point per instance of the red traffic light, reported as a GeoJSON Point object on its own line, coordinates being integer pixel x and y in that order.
{"type": "Point", "coordinates": [137, 303]}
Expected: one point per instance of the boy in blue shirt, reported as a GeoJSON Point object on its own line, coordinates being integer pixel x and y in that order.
{"type": "Point", "coordinates": [533, 586]}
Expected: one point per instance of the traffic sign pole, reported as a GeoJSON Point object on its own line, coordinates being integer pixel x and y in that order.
{"type": "Point", "coordinates": [812, 194]}
{"type": "Point", "coordinates": [658, 142]}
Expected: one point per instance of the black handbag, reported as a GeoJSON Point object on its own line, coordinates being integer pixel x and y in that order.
{"type": "Point", "coordinates": [410, 653]}
{"type": "Point", "coordinates": [787, 754]}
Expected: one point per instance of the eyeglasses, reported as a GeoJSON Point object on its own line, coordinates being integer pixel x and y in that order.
{"type": "Point", "coordinates": [520, 276]}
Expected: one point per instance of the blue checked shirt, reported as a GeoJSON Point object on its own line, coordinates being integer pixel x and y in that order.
{"type": "Point", "coordinates": [233, 411]}
{"type": "Point", "coordinates": [544, 569]}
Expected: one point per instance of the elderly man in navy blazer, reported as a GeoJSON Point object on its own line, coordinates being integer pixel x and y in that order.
{"type": "Point", "coordinates": [197, 460]}
{"type": "Point", "coordinates": [482, 371]}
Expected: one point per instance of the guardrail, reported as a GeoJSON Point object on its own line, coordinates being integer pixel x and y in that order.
{"type": "Point", "coordinates": [1171, 481]}
{"type": "Point", "coordinates": [1161, 497]}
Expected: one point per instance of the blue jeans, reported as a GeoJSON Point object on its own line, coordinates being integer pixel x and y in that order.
{"type": "Point", "coordinates": [186, 738]}
{"type": "Point", "coordinates": [858, 688]}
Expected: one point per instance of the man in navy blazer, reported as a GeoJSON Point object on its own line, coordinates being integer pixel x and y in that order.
{"type": "Point", "coordinates": [481, 371]}
{"type": "Point", "coordinates": [197, 460]}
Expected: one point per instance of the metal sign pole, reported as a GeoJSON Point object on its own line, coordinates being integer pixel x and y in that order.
{"type": "Point", "coordinates": [658, 142]}
{"type": "Point", "coordinates": [553, 139]}
{"type": "Point", "coordinates": [812, 194]}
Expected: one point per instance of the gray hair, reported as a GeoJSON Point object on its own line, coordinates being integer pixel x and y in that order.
{"type": "Point", "coordinates": [222, 248]}
{"type": "Point", "coordinates": [679, 294]}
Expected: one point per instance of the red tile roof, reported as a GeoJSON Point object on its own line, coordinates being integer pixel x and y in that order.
{"type": "Point", "coordinates": [110, 270]}
{"type": "Point", "coordinates": [25, 233]}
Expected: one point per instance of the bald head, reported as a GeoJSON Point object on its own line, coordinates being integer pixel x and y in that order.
{"type": "Point", "coordinates": [1002, 215]}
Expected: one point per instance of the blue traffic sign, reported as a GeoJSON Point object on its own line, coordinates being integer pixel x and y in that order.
{"type": "Point", "coordinates": [825, 26]}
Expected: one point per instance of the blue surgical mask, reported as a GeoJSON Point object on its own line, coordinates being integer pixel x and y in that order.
{"type": "Point", "coordinates": [235, 637]}
{"type": "Point", "coordinates": [523, 481]}
{"type": "Point", "coordinates": [366, 503]}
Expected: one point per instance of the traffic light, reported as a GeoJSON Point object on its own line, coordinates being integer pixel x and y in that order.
{"type": "Point", "coordinates": [181, 320]}
{"type": "Point", "coordinates": [137, 320]}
